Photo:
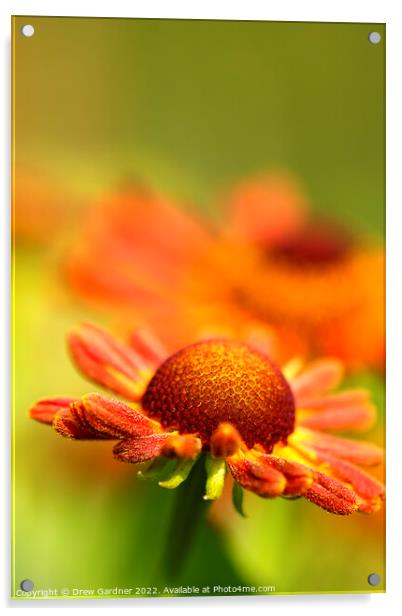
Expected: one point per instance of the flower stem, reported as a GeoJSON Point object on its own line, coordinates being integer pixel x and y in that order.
{"type": "Point", "coordinates": [188, 513]}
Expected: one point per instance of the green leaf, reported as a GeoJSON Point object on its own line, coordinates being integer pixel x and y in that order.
{"type": "Point", "coordinates": [216, 471]}
{"type": "Point", "coordinates": [159, 469]}
{"type": "Point", "coordinates": [237, 499]}
{"type": "Point", "coordinates": [180, 474]}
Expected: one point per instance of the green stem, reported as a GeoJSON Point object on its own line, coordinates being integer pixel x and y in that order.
{"type": "Point", "coordinates": [188, 513]}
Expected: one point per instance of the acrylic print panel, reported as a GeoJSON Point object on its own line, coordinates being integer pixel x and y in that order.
{"type": "Point", "coordinates": [198, 246]}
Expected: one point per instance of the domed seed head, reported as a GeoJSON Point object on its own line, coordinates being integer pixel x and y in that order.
{"type": "Point", "coordinates": [217, 381]}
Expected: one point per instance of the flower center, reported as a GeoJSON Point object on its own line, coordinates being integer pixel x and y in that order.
{"type": "Point", "coordinates": [217, 381]}
{"type": "Point", "coordinates": [314, 246]}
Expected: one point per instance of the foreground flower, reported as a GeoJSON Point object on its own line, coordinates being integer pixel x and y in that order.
{"type": "Point", "coordinates": [270, 266]}
{"type": "Point", "coordinates": [230, 403]}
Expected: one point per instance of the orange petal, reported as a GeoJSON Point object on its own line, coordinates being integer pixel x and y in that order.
{"type": "Point", "coordinates": [344, 411]}
{"type": "Point", "coordinates": [45, 410]}
{"type": "Point", "coordinates": [140, 449]}
{"type": "Point", "coordinates": [114, 418]}
{"type": "Point", "coordinates": [106, 361]}
{"type": "Point", "coordinates": [358, 452]}
{"type": "Point", "coordinates": [148, 240]}
{"type": "Point", "coordinates": [225, 441]}
{"type": "Point", "coordinates": [348, 399]}
{"type": "Point", "coordinates": [182, 446]}
{"type": "Point", "coordinates": [298, 477]}
{"type": "Point", "coordinates": [331, 495]}
{"type": "Point", "coordinates": [256, 476]}
{"type": "Point", "coordinates": [267, 209]}
{"type": "Point", "coordinates": [148, 347]}
{"type": "Point", "coordinates": [369, 489]}
{"type": "Point", "coordinates": [71, 423]}
{"type": "Point", "coordinates": [318, 378]}
{"type": "Point", "coordinates": [373, 506]}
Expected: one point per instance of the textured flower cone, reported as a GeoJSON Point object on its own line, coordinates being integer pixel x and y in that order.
{"type": "Point", "coordinates": [231, 402]}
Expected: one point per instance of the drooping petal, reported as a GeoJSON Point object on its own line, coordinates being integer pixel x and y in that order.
{"type": "Point", "coordinates": [343, 411]}
{"type": "Point", "coordinates": [348, 399]}
{"type": "Point", "coordinates": [292, 368]}
{"type": "Point", "coordinates": [71, 423]}
{"type": "Point", "coordinates": [260, 337]}
{"type": "Point", "coordinates": [318, 378]}
{"type": "Point", "coordinates": [318, 443]}
{"type": "Point", "coordinates": [45, 410]}
{"type": "Point", "coordinates": [115, 418]}
{"type": "Point", "coordinates": [367, 506]}
{"type": "Point", "coordinates": [332, 495]}
{"type": "Point", "coordinates": [182, 446]}
{"type": "Point", "coordinates": [140, 449]}
{"type": "Point", "coordinates": [106, 361]}
{"type": "Point", "coordinates": [369, 489]}
{"type": "Point", "coordinates": [148, 346]}
{"type": "Point", "coordinates": [256, 476]}
{"type": "Point", "coordinates": [225, 440]}
{"type": "Point", "coordinates": [298, 477]}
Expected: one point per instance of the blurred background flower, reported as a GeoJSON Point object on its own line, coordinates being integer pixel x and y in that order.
{"type": "Point", "coordinates": [100, 100]}
{"type": "Point", "coordinates": [271, 269]}
{"type": "Point", "coordinates": [316, 282]}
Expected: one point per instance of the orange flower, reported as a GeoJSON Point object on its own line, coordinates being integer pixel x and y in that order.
{"type": "Point", "coordinates": [303, 276]}
{"type": "Point", "coordinates": [134, 247]}
{"type": "Point", "coordinates": [303, 284]}
{"type": "Point", "coordinates": [230, 403]}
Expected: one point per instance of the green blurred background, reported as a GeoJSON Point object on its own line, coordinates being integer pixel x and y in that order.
{"type": "Point", "coordinates": [191, 107]}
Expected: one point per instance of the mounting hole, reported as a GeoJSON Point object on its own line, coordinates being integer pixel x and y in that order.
{"type": "Point", "coordinates": [27, 585]}
{"type": "Point", "coordinates": [28, 30]}
{"type": "Point", "coordinates": [374, 579]}
{"type": "Point", "coordinates": [374, 38]}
